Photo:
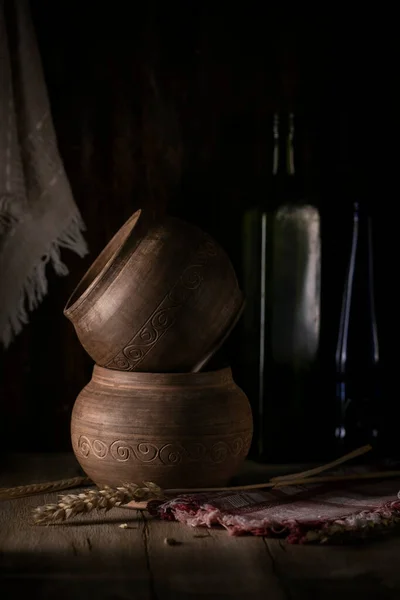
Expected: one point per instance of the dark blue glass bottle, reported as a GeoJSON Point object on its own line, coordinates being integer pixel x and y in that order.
{"type": "Point", "coordinates": [358, 414]}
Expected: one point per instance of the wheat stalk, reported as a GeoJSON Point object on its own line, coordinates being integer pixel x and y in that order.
{"type": "Point", "coordinates": [70, 505]}
{"type": "Point", "coordinates": [22, 491]}
{"type": "Point", "coordinates": [317, 470]}
{"type": "Point", "coordinates": [73, 504]}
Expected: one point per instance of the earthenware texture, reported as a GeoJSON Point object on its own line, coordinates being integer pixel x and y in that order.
{"type": "Point", "coordinates": [161, 297]}
{"type": "Point", "coordinates": [176, 430]}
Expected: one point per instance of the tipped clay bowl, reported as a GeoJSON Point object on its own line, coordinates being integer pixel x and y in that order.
{"type": "Point", "coordinates": [176, 430]}
{"type": "Point", "coordinates": [161, 297]}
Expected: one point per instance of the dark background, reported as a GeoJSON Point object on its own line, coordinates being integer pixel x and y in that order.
{"type": "Point", "coordinates": [169, 105]}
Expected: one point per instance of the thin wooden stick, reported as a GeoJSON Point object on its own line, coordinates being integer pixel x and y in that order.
{"type": "Point", "coordinates": [334, 478]}
{"type": "Point", "coordinates": [32, 489]}
{"type": "Point", "coordinates": [326, 467]}
{"type": "Point", "coordinates": [299, 481]}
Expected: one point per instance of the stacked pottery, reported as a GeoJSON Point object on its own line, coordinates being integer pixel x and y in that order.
{"type": "Point", "coordinates": [151, 311]}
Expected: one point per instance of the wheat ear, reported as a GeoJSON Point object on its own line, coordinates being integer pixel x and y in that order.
{"type": "Point", "coordinates": [22, 491]}
{"type": "Point", "coordinates": [70, 505]}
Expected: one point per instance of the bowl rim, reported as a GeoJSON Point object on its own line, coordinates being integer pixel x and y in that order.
{"type": "Point", "coordinates": [126, 379]}
{"type": "Point", "coordinates": [104, 260]}
{"type": "Point", "coordinates": [220, 342]}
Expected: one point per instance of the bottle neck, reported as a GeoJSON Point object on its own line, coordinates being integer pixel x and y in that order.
{"type": "Point", "coordinates": [358, 315]}
{"type": "Point", "coordinates": [284, 173]}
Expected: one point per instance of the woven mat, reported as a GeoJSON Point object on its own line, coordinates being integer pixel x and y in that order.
{"type": "Point", "coordinates": [314, 513]}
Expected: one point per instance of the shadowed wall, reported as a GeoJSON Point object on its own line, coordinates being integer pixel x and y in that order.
{"type": "Point", "coordinates": [169, 106]}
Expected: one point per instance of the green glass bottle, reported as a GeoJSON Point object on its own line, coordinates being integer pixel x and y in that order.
{"type": "Point", "coordinates": [281, 324]}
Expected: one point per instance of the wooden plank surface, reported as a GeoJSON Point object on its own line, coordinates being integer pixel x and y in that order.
{"type": "Point", "coordinates": [70, 560]}
{"type": "Point", "coordinates": [368, 571]}
{"type": "Point", "coordinates": [91, 555]}
{"type": "Point", "coordinates": [64, 560]}
{"type": "Point", "coordinates": [208, 562]}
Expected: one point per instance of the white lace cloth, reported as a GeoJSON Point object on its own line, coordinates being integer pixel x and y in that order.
{"type": "Point", "coordinates": [38, 215]}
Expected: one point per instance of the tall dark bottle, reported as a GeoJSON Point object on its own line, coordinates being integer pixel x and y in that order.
{"type": "Point", "coordinates": [281, 266]}
{"type": "Point", "coordinates": [358, 413]}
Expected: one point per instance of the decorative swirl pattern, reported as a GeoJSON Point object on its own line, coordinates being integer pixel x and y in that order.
{"type": "Point", "coordinates": [133, 353]}
{"type": "Point", "coordinates": [172, 454]}
{"type": "Point", "coordinates": [166, 312]}
{"type": "Point", "coordinates": [191, 278]}
{"type": "Point", "coordinates": [148, 335]}
{"type": "Point", "coordinates": [247, 441]}
{"type": "Point", "coordinates": [121, 363]}
{"type": "Point", "coordinates": [219, 452]}
{"type": "Point", "coordinates": [166, 453]}
{"type": "Point", "coordinates": [120, 450]}
{"type": "Point", "coordinates": [236, 446]}
{"type": "Point", "coordinates": [163, 319]}
{"type": "Point", "coordinates": [146, 452]}
{"type": "Point", "coordinates": [84, 445]}
{"type": "Point", "coordinates": [99, 448]}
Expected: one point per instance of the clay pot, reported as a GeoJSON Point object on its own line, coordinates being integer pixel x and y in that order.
{"type": "Point", "coordinates": [176, 430]}
{"type": "Point", "coordinates": [161, 297]}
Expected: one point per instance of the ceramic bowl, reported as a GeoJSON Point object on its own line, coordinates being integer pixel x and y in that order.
{"type": "Point", "coordinates": [161, 297]}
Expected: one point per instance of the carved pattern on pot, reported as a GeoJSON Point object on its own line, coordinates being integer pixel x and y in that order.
{"type": "Point", "coordinates": [164, 315]}
{"type": "Point", "coordinates": [97, 447]}
{"type": "Point", "coordinates": [165, 453]}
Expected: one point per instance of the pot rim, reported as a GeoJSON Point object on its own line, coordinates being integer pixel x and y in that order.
{"type": "Point", "coordinates": [219, 343]}
{"type": "Point", "coordinates": [114, 378]}
{"type": "Point", "coordinates": [104, 260]}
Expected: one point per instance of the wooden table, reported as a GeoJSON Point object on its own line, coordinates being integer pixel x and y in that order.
{"type": "Point", "coordinates": [92, 557]}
